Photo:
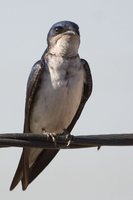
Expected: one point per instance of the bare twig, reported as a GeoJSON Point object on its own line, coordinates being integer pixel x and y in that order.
{"type": "Point", "coordinates": [37, 140]}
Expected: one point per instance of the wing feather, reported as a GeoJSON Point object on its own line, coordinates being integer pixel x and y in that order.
{"type": "Point", "coordinates": [22, 172]}
{"type": "Point", "coordinates": [86, 93]}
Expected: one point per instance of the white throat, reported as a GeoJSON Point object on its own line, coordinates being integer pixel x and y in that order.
{"type": "Point", "coordinates": [66, 45]}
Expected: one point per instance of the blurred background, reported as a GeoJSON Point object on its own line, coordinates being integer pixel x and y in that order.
{"type": "Point", "coordinates": [106, 28]}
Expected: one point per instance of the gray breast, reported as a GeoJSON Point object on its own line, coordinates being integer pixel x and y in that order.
{"type": "Point", "coordinates": [58, 97]}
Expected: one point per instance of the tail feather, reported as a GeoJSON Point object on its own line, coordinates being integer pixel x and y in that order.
{"type": "Point", "coordinates": [18, 175]}
{"type": "Point", "coordinates": [41, 162]}
{"type": "Point", "coordinates": [25, 177]}
{"type": "Point", "coordinates": [25, 174]}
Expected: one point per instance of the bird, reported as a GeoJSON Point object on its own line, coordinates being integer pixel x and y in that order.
{"type": "Point", "coordinates": [58, 87]}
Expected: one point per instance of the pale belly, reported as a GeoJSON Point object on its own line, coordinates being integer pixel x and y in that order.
{"type": "Point", "coordinates": [56, 103]}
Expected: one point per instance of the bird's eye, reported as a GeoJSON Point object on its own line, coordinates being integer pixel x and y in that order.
{"type": "Point", "coordinates": [59, 29]}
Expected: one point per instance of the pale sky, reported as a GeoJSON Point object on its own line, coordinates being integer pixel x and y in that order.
{"type": "Point", "coordinates": [106, 28]}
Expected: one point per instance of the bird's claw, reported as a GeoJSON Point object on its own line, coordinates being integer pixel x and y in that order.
{"type": "Point", "coordinates": [98, 147]}
{"type": "Point", "coordinates": [52, 136]}
{"type": "Point", "coordinates": [68, 138]}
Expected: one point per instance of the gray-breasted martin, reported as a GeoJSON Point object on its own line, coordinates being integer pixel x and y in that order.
{"type": "Point", "coordinates": [58, 87]}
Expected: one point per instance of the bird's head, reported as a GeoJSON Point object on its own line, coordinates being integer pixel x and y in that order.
{"type": "Point", "coordinates": [64, 39]}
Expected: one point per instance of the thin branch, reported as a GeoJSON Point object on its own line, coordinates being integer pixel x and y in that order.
{"type": "Point", "coordinates": [37, 140]}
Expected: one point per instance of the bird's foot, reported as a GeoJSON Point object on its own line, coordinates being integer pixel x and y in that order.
{"type": "Point", "coordinates": [98, 147]}
{"type": "Point", "coordinates": [68, 137]}
{"type": "Point", "coordinates": [52, 136]}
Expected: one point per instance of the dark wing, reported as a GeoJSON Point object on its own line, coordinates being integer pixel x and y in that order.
{"type": "Point", "coordinates": [86, 93]}
{"type": "Point", "coordinates": [32, 85]}
{"type": "Point", "coordinates": [23, 172]}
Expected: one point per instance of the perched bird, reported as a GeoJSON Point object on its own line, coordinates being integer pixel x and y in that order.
{"type": "Point", "coordinates": [58, 87]}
